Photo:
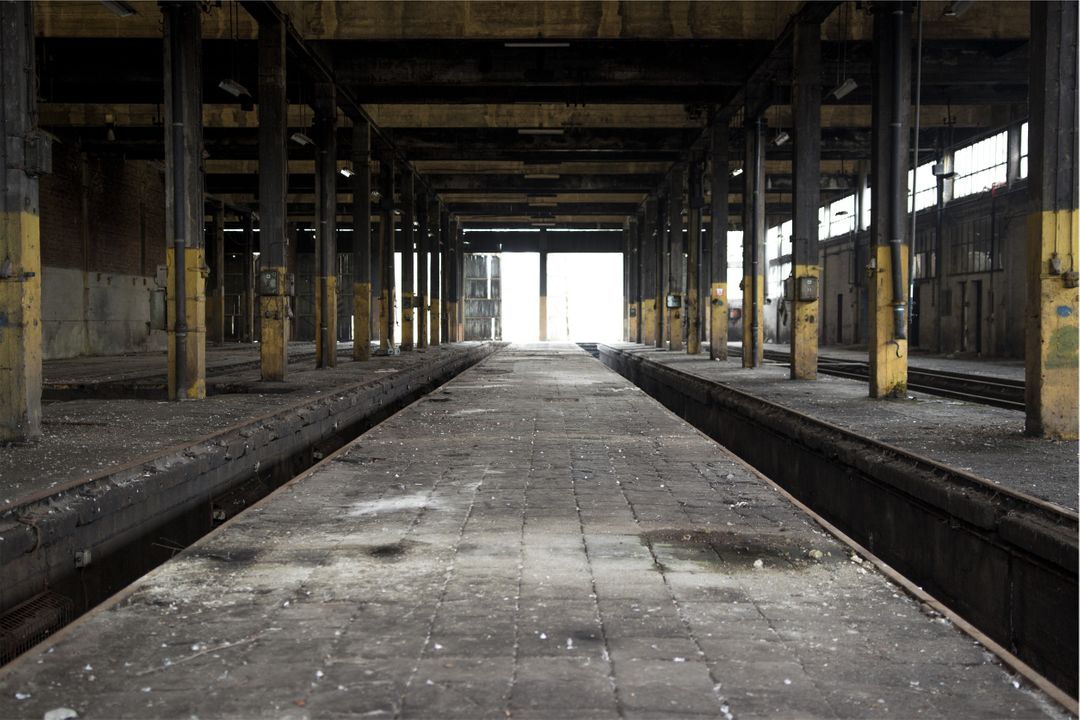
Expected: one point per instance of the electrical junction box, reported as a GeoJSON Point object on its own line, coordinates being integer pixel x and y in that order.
{"type": "Point", "coordinates": [268, 283]}
{"type": "Point", "coordinates": [807, 289]}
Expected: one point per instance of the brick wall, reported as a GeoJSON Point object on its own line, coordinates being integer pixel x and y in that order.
{"type": "Point", "coordinates": [124, 227]}
{"type": "Point", "coordinates": [102, 238]}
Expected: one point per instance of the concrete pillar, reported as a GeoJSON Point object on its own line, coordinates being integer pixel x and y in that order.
{"type": "Point", "coordinates": [543, 286]}
{"type": "Point", "coordinates": [446, 246]}
{"type": "Point", "coordinates": [387, 297]}
{"type": "Point", "coordinates": [184, 256]}
{"type": "Point", "coordinates": [718, 289]}
{"type": "Point", "coordinates": [408, 242]}
{"type": "Point", "coordinates": [695, 200]}
{"type": "Point", "coordinates": [436, 290]}
{"type": "Point", "coordinates": [459, 281]}
{"type": "Point", "coordinates": [650, 266]}
{"type": "Point", "coordinates": [273, 182]}
{"type": "Point", "coordinates": [676, 260]}
{"type": "Point", "coordinates": [215, 278]}
{"type": "Point", "coordinates": [326, 173]}
{"type": "Point", "coordinates": [634, 284]}
{"type": "Point", "coordinates": [753, 329]}
{"type": "Point", "coordinates": [361, 212]}
{"type": "Point", "coordinates": [1051, 331]}
{"type": "Point", "coordinates": [20, 248]}
{"type": "Point", "coordinates": [888, 282]}
{"type": "Point", "coordinates": [422, 247]}
{"type": "Point", "coordinates": [626, 279]}
{"type": "Point", "coordinates": [247, 299]}
{"type": "Point", "coordinates": [806, 181]}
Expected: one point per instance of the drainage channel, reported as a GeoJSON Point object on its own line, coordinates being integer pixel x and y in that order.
{"type": "Point", "coordinates": [1003, 561]}
{"type": "Point", "coordinates": [64, 554]}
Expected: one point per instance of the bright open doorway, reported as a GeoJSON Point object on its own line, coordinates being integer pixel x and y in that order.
{"type": "Point", "coordinates": [520, 297]}
{"type": "Point", "coordinates": [585, 297]}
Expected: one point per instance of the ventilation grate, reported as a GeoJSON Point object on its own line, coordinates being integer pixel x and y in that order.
{"type": "Point", "coordinates": [29, 623]}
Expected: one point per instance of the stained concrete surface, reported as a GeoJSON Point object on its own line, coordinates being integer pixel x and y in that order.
{"type": "Point", "coordinates": [81, 438]}
{"type": "Point", "coordinates": [980, 439]}
{"type": "Point", "coordinates": [538, 539]}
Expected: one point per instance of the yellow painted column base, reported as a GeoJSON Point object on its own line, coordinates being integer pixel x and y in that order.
{"type": "Point", "coordinates": [543, 318]}
{"type": "Point", "coordinates": [718, 321]}
{"type": "Point", "coordinates": [1052, 334]}
{"type": "Point", "coordinates": [648, 321]}
{"type": "Point", "coordinates": [451, 322]}
{"type": "Point", "coordinates": [888, 355]}
{"type": "Point", "coordinates": [361, 321]}
{"type": "Point", "coordinates": [195, 308]}
{"type": "Point", "coordinates": [326, 357]}
{"type": "Point", "coordinates": [675, 321]}
{"type": "Point", "coordinates": [274, 334]}
{"type": "Point", "coordinates": [434, 330]}
{"type": "Point", "coordinates": [693, 334]}
{"type": "Point", "coordinates": [386, 321]}
{"type": "Point", "coordinates": [748, 359]}
{"type": "Point", "coordinates": [20, 331]}
{"type": "Point", "coordinates": [632, 327]}
{"type": "Point", "coordinates": [422, 316]}
{"type": "Point", "coordinates": [659, 337]}
{"type": "Point", "coordinates": [407, 339]}
{"type": "Point", "coordinates": [804, 328]}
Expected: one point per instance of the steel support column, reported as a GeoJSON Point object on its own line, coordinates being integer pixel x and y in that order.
{"type": "Point", "coordinates": [20, 233]}
{"type": "Point", "coordinates": [806, 180]}
{"type": "Point", "coordinates": [422, 248]}
{"type": "Point", "coordinates": [436, 290]}
{"type": "Point", "coordinates": [408, 244]}
{"type": "Point", "coordinates": [1051, 331]}
{"type": "Point", "coordinates": [326, 226]}
{"type": "Point", "coordinates": [361, 212]}
{"type": "Point", "coordinates": [634, 276]}
{"type": "Point", "coordinates": [718, 290]}
{"type": "Point", "coordinates": [887, 342]}
{"type": "Point", "coordinates": [215, 278]}
{"type": "Point", "coordinates": [676, 260]}
{"type": "Point", "coordinates": [543, 286]}
{"type": "Point", "coordinates": [753, 284]}
{"type": "Point", "coordinates": [186, 291]}
{"type": "Point", "coordinates": [695, 199]}
{"type": "Point", "coordinates": [650, 275]}
{"type": "Point", "coordinates": [459, 281]}
{"type": "Point", "coordinates": [446, 252]}
{"type": "Point", "coordinates": [273, 302]}
{"type": "Point", "coordinates": [247, 300]}
{"type": "Point", "coordinates": [387, 296]}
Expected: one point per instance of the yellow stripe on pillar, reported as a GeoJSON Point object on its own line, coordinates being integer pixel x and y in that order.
{"type": "Point", "coordinates": [888, 355]}
{"type": "Point", "coordinates": [1051, 355]}
{"type": "Point", "coordinates": [718, 320]}
{"type": "Point", "coordinates": [361, 321]}
{"type": "Point", "coordinates": [195, 307]}
{"type": "Point", "coordinates": [804, 328]}
{"type": "Point", "coordinates": [20, 329]}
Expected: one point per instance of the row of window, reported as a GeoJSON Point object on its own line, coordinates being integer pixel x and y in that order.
{"type": "Point", "coordinates": [977, 167]}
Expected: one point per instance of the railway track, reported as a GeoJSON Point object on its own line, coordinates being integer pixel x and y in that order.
{"type": "Point", "coordinates": [999, 392]}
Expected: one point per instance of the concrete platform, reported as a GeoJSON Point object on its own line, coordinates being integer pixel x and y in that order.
{"type": "Point", "coordinates": [980, 439]}
{"type": "Point", "coordinates": [538, 539]}
{"type": "Point", "coordinates": [83, 438]}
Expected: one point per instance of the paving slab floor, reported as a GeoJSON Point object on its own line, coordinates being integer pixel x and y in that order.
{"type": "Point", "coordinates": [536, 539]}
